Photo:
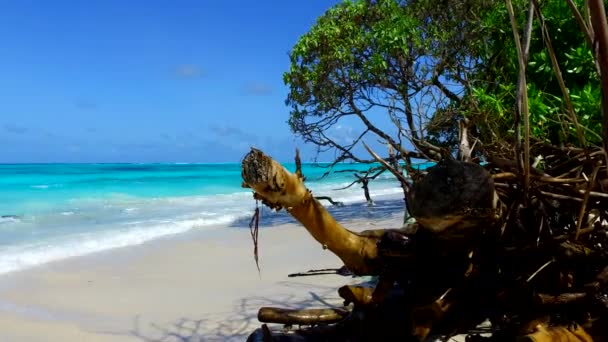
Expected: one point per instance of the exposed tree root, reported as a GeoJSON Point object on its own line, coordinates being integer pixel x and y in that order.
{"type": "Point", "coordinates": [535, 267]}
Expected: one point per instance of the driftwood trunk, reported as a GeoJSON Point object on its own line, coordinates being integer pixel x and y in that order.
{"type": "Point", "coordinates": [467, 258]}
{"type": "Point", "coordinates": [455, 196]}
{"type": "Point", "coordinates": [278, 188]}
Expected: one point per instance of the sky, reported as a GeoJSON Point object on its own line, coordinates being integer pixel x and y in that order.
{"type": "Point", "coordinates": [147, 81]}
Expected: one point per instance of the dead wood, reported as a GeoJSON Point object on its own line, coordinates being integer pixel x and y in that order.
{"type": "Point", "coordinates": [330, 200]}
{"type": "Point", "coordinates": [503, 259]}
{"type": "Point", "coordinates": [453, 193]}
{"type": "Point", "coordinates": [343, 271]}
{"type": "Point", "coordinates": [558, 333]}
{"type": "Point", "coordinates": [278, 188]}
{"type": "Point", "coordinates": [301, 317]}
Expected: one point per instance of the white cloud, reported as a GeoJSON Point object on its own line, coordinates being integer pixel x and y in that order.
{"type": "Point", "coordinates": [188, 71]}
{"type": "Point", "coordinates": [342, 134]}
{"type": "Point", "coordinates": [257, 89]}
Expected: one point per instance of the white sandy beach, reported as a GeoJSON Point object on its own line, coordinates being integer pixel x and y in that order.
{"type": "Point", "coordinates": [199, 286]}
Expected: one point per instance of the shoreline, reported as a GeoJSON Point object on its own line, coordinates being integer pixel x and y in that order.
{"type": "Point", "coordinates": [386, 204]}
{"type": "Point", "coordinates": [195, 284]}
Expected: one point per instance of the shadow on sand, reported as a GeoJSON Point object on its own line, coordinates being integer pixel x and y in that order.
{"type": "Point", "coordinates": [382, 209]}
{"type": "Point", "coordinates": [237, 325]}
{"type": "Point", "coordinates": [242, 320]}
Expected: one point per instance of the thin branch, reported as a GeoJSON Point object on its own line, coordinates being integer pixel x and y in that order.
{"type": "Point", "coordinates": [388, 166]}
{"type": "Point", "coordinates": [298, 165]}
{"type": "Point", "coordinates": [600, 28]}
{"type": "Point", "coordinates": [465, 150]}
{"type": "Point", "coordinates": [330, 200]}
{"type": "Point", "coordinates": [581, 23]}
{"type": "Point", "coordinates": [521, 86]}
{"type": "Point", "coordinates": [528, 31]}
{"type": "Point", "coordinates": [581, 214]}
{"type": "Point", "coordinates": [560, 197]}
{"type": "Point", "coordinates": [558, 75]}
{"type": "Point", "coordinates": [545, 265]}
{"type": "Point", "coordinates": [445, 90]}
{"type": "Point", "coordinates": [524, 98]}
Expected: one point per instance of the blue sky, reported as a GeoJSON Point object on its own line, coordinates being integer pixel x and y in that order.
{"type": "Point", "coordinates": [147, 81]}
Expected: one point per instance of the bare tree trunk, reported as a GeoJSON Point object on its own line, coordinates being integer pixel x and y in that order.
{"type": "Point", "coordinates": [303, 316]}
{"type": "Point", "coordinates": [278, 188]}
{"type": "Point", "coordinates": [521, 88]}
{"type": "Point", "coordinates": [364, 185]}
{"type": "Point", "coordinates": [454, 196]}
{"type": "Point", "coordinates": [397, 167]}
{"type": "Point", "coordinates": [523, 109]}
{"type": "Point", "coordinates": [465, 151]}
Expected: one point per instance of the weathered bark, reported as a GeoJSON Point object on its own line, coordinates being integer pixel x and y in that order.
{"type": "Point", "coordinates": [356, 294]}
{"type": "Point", "coordinates": [560, 333]}
{"type": "Point", "coordinates": [364, 295]}
{"type": "Point", "coordinates": [454, 196]}
{"type": "Point", "coordinates": [304, 316]}
{"type": "Point", "coordinates": [425, 317]}
{"type": "Point", "coordinates": [278, 188]}
{"type": "Point", "coordinates": [465, 151]}
{"type": "Point", "coordinates": [529, 281]}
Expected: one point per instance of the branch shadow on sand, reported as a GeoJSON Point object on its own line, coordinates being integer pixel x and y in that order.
{"type": "Point", "coordinates": [382, 209]}
{"type": "Point", "coordinates": [236, 325]}
{"type": "Point", "coordinates": [241, 321]}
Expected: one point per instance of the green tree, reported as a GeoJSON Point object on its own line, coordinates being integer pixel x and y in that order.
{"type": "Point", "coordinates": [427, 65]}
{"type": "Point", "coordinates": [372, 60]}
{"type": "Point", "coordinates": [494, 90]}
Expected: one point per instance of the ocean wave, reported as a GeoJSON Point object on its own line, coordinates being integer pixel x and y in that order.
{"type": "Point", "coordinates": [72, 221]}
{"type": "Point", "coordinates": [15, 258]}
{"type": "Point", "coordinates": [40, 186]}
{"type": "Point", "coordinates": [203, 212]}
{"type": "Point", "coordinates": [46, 186]}
{"type": "Point", "coordinates": [9, 219]}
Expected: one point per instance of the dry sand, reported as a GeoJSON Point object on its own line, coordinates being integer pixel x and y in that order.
{"type": "Point", "coordinates": [202, 286]}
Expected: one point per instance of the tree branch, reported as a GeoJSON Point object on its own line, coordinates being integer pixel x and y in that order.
{"type": "Point", "coordinates": [524, 99]}
{"type": "Point", "coordinates": [600, 27]}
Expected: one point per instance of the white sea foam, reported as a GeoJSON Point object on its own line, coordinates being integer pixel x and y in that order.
{"type": "Point", "coordinates": [9, 219]}
{"type": "Point", "coordinates": [387, 189]}
{"type": "Point", "coordinates": [40, 186]}
{"type": "Point", "coordinates": [98, 224]}
{"type": "Point", "coordinates": [18, 257]}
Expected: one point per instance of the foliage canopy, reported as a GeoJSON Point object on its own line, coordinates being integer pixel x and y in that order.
{"type": "Point", "coordinates": [426, 64]}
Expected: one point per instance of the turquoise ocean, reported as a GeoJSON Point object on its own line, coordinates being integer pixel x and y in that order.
{"type": "Point", "coordinates": [50, 212]}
